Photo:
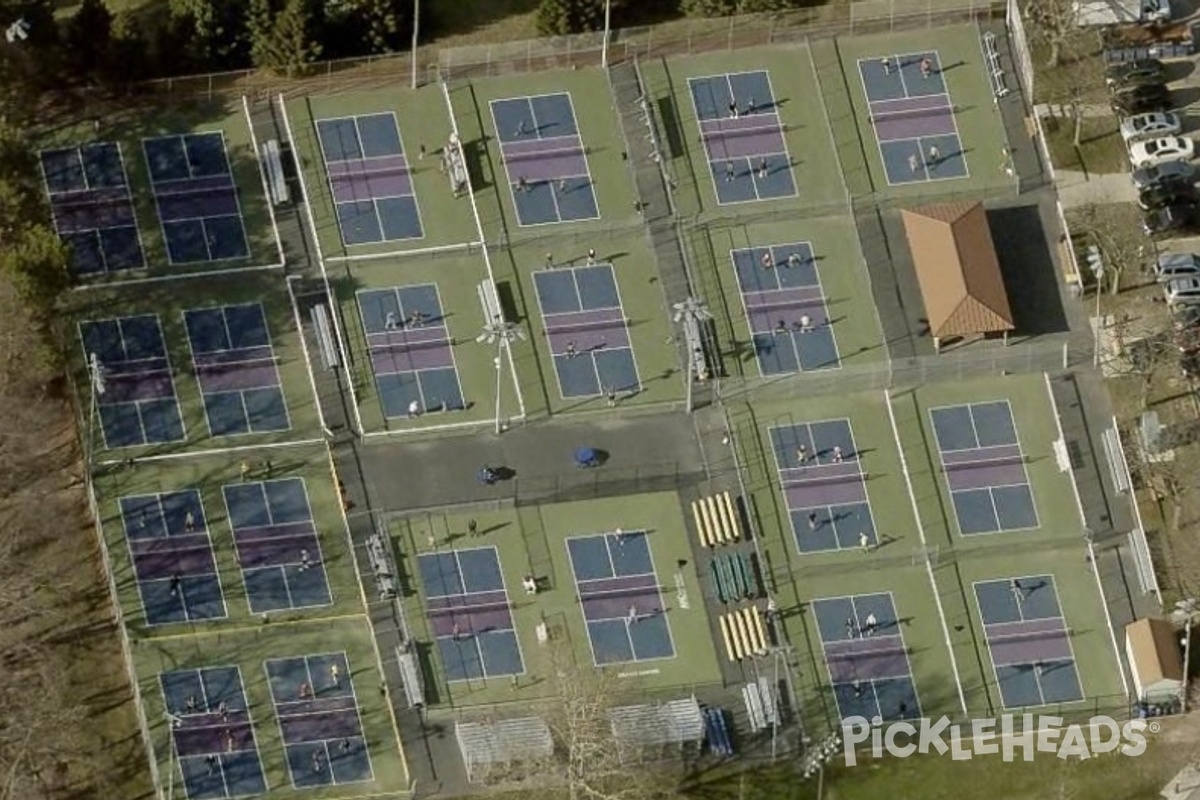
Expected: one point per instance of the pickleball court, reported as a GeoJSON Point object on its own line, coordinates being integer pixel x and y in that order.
{"type": "Point", "coordinates": [1029, 641]}
{"type": "Point", "coordinates": [912, 115]}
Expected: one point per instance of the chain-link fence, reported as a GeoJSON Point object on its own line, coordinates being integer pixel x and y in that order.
{"type": "Point", "coordinates": [673, 38]}
{"type": "Point", "coordinates": [947, 367]}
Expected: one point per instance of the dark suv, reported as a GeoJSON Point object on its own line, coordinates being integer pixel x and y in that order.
{"type": "Point", "coordinates": [1169, 219]}
{"type": "Point", "coordinates": [1145, 70]}
{"type": "Point", "coordinates": [1130, 100]}
{"type": "Point", "coordinates": [1166, 194]}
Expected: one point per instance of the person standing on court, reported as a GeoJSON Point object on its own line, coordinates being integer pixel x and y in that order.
{"type": "Point", "coordinates": [886, 63]}
{"type": "Point", "coordinates": [472, 528]}
{"type": "Point", "coordinates": [926, 68]}
{"type": "Point", "coordinates": [864, 542]}
{"type": "Point", "coordinates": [591, 257]}
{"type": "Point", "coordinates": [733, 109]}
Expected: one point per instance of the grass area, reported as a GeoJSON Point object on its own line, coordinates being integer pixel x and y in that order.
{"type": "Point", "coordinates": [644, 309]}
{"type": "Point", "coordinates": [455, 276]}
{"type": "Point", "coordinates": [207, 476]}
{"type": "Point", "coordinates": [976, 115]}
{"type": "Point", "coordinates": [840, 268]}
{"type": "Point", "coordinates": [247, 649]}
{"type": "Point", "coordinates": [129, 127]}
{"type": "Point", "coordinates": [598, 126]}
{"type": "Point", "coordinates": [1101, 149]}
{"type": "Point", "coordinates": [168, 303]}
{"type": "Point", "coordinates": [532, 541]}
{"type": "Point", "coordinates": [423, 121]}
{"type": "Point", "coordinates": [814, 163]}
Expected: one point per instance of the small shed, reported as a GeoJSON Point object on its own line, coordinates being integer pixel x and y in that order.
{"type": "Point", "coordinates": [1152, 647]}
{"type": "Point", "coordinates": [958, 271]}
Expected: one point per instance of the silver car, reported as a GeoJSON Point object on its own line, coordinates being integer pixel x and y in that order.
{"type": "Point", "coordinates": [1169, 172]}
{"type": "Point", "coordinates": [1150, 126]}
{"type": "Point", "coordinates": [1170, 266]}
{"type": "Point", "coordinates": [1182, 291]}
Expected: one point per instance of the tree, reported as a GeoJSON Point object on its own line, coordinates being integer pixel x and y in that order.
{"type": "Point", "coordinates": [218, 37]}
{"type": "Point", "coordinates": [708, 8]}
{"type": "Point", "coordinates": [1055, 23]}
{"type": "Point", "coordinates": [260, 28]}
{"type": "Point", "coordinates": [562, 17]}
{"type": "Point", "coordinates": [383, 23]}
{"type": "Point", "coordinates": [292, 42]}
{"type": "Point", "coordinates": [129, 51]}
{"type": "Point", "coordinates": [87, 39]}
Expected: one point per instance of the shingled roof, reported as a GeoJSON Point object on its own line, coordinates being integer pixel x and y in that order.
{"type": "Point", "coordinates": [957, 269]}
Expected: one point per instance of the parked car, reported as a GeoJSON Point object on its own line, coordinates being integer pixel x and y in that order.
{"type": "Point", "coordinates": [1158, 151]}
{"type": "Point", "coordinates": [1176, 265]}
{"type": "Point", "coordinates": [1182, 291]}
{"type": "Point", "coordinates": [1150, 126]}
{"type": "Point", "coordinates": [1130, 100]}
{"type": "Point", "coordinates": [1143, 70]}
{"type": "Point", "coordinates": [1172, 172]}
{"type": "Point", "coordinates": [1169, 219]}
{"type": "Point", "coordinates": [1166, 194]}
{"type": "Point", "coordinates": [1155, 12]}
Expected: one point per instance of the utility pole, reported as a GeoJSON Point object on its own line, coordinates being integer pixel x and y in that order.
{"type": "Point", "coordinates": [502, 334]}
{"type": "Point", "coordinates": [607, 33]}
{"type": "Point", "coordinates": [416, 38]}
{"type": "Point", "coordinates": [692, 313]}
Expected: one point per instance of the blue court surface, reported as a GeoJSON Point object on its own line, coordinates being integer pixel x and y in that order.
{"type": "Point", "coordinates": [278, 548]}
{"type": "Point", "coordinates": [470, 614]}
{"type": "Point", "coordinates": [620, 597]}
{"type": "Point", "coordinates": [913, 118]}
{"type": "Point", "coordinates": [824, 484]}
{"type": "Point", "coordinates": [213, 733]}
{"type": "Point", "coordinates": [786, 308]}
{"type": "Point", "coordinates": [412, 352]}
{"type": "Point", "coordinates": [92, 207]}
{"type": "Point", "coordinates": [370, 178]}
{"type": "Point", "coordinates": [545, 159]}
{"type": "Point", "coordinates": [984, 467]}
{"type": "Point", "coordinates": [867, 658]}
{"type": "Point", "coordinates": [1029, 641]}
{"type": "Point", "coordinates": [133, 384]}
{"type": "Point", "coordinates": [743, 137]}
{"type": "Point", "coordinates": [587, 331]}
{"type": "Point", "coordinates": [173, 559]}
{"type": "Point", "coordinates": [197, 198]}
{"type": "Point", "coordinates": [319, 720]}
{"type": "Point", "coordinates": [237, 370]}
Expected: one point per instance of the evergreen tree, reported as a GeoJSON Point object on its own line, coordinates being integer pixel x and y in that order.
{"type": "Point", "coordinates": [129, 52]}
{"type": "Point", "coordinates": [708, 8]}
{"type": "Point", "coordinates": [382, 22]}
{"type": "Point", "coordinates": [88, 39]}
{"type": "Point", "coordinates": [293, 42]}
{"type": "Point", "coordinates": [260, 28]}
{"type": "Point", "coordinates": [561, 17]}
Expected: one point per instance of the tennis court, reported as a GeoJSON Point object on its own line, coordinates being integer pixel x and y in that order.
{"type": "Point", "coordinates": [237, 369]}
{"type": "Point", "coordinates": [913, 117]}
{"type": "Point", "coordinates": [785, 308]}
{"type": "Point", "coordinates": [213, 733]}
{"type": "Point", "coordinates": [133, 386]}
{"type": "Point", "coordinates": [370, 178]}
{"type": "Point", "coordinates": [173, 559]}
{"type": "Point", "coordinates": [319, 720]}
{"type": "Point", "coordinates": [412, 352]}
{"type": "Point", "coordinates": [823, 482]}
{"type": "Point", "coordinates": [1029, 641]}
{"type": "Point", "coordinates": [278, 548]}
{"type": "Point", "coordinates": [197, 198]}
{"type": "Point", "coordinates": [92, 207]}
{"type": "Point", "coordinates": [545, 159]}
{"type": "Point", "coordinates": [984, 467]}
{"type": "Point", "coordinates": [867, 657]}
{"type": "Point", "coordinates": [470, 614]}
{"type": "Point", "coordinates": [587, 330]}
{"type": "Point", "coordinates": [743, 136]}
{"type": "Point", "coordinates": [619, 595]}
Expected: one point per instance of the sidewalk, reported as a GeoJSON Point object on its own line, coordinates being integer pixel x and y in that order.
{"type": "Point", "coordinates": [1079, 189]}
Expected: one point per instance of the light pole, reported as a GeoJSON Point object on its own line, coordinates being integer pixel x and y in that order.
{"type": "Point", "coordinates": [97, 386]}
{"type": "Point", "coordinates": [691, 313]}
{"type": "Point", "coordinates": [415, 39]}
{"type": "Point", "coordinates": [502, 334]}
{"type": "Point", "coordinates": [607, 29]}
{"type": "Point", "coordinates": [173, 722]}
{"type": "Point", "coordinates": [817, 757]}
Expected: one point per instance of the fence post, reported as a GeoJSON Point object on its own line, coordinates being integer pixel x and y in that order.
{"type": "Point", "coordinates": [732, 20]}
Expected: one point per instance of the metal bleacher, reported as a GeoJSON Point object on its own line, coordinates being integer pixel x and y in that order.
{"type": "Point", "coordinates": [744, 633]}
{"type": "Point", "coordinates": [717, 520]}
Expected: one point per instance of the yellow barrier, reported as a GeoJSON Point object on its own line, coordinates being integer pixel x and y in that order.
{"type": "Point", "coordinates": [728, 639]}
{"type": "Point", "coordinates": [701, 529]}
{"type": "Point", "coordinates": [735, 527]}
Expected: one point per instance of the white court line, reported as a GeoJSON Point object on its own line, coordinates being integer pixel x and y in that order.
{"type": "Point", "coordinates": [899, 633]}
